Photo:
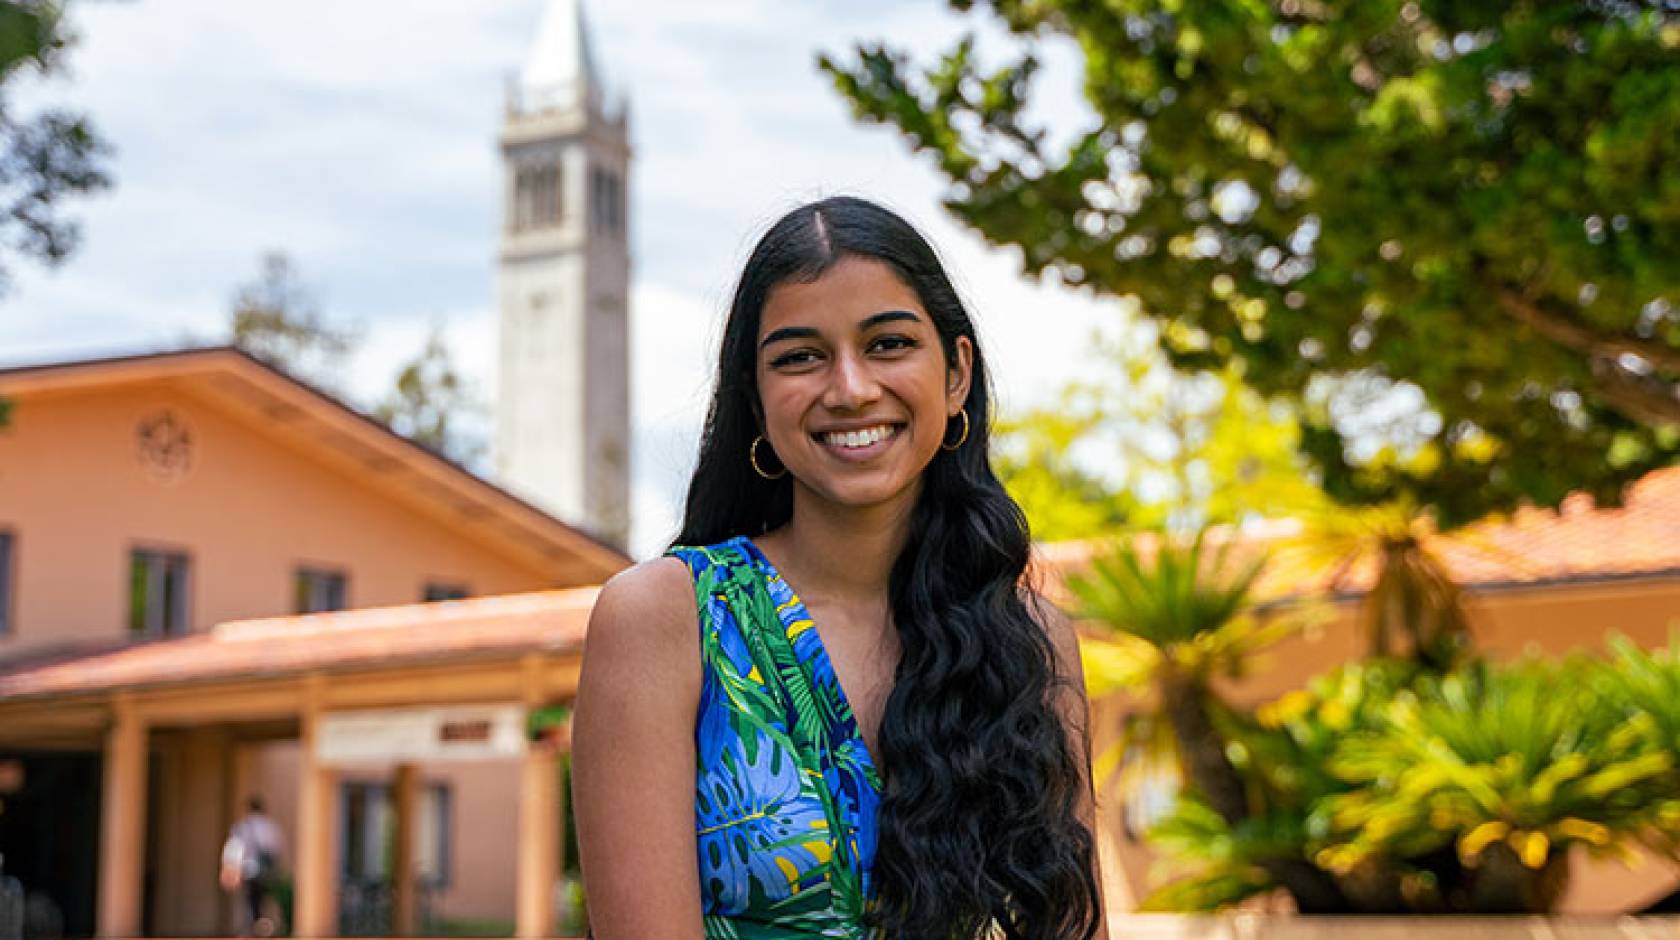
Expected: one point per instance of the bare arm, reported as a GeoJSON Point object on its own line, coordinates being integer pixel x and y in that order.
{"type": "Point", "coordinates": [1076, 711]}
{"type": "Point", "coordinates": [633, 756]}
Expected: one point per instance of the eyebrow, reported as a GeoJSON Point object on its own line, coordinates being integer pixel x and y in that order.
{"type": "Point", "coordinates": [806, 332]}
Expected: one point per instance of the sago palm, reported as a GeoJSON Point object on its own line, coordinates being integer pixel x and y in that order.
{"type": "Point", "coordinates": [1644, 683]}
{"type": "Point", "coordinates": [1413, 606]}
{"type": "Point", "coordinates": [1508, 766]}
{"type": "Point", "coordinates": [1175, 616]}
{"type": "Point", "coordinates": [1179, 613]}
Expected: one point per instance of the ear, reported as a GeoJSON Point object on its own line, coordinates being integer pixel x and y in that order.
{"type": "Point", "coordinates": [959, 376]}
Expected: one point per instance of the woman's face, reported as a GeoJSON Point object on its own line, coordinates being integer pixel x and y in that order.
{"type": "Point", "coordinates": [854, 384]}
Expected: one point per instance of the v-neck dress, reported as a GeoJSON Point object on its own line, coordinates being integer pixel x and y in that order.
{"type": "Point", "coordinates": [785, 789]}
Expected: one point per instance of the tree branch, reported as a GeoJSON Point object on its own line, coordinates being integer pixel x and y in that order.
{"type": "Point", "coordinates": [1575, 335]}
{"type": "Point", "coordinates": [1644, 398]}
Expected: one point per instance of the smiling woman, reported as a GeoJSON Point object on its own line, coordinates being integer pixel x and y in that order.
{"type": "Point", "coordinates": [854, 387]}
{"type": "Point", "coordinates": [896, 749]}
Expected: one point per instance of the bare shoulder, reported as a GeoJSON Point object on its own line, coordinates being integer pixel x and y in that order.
{"type": "Point", "coordinates": [644, 622]}
{"type": "Point", "coordinates": [647, 586]}
{"type": "Point", "coordinates": [651, 593]}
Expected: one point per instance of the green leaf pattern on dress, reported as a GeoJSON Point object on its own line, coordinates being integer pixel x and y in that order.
{"type": "Point", "coordinates": [785, 789]}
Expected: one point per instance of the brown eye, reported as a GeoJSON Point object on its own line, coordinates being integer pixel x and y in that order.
{"type": "Point", "coordinates": [796, 358]}
{"type": "Point", "coordinates": [895, 342]}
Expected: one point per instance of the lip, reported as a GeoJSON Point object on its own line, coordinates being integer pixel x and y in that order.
{"type": "Point", "coordinates": [859, 426]}
{"type": "Point", "coordinates": [860, 454]}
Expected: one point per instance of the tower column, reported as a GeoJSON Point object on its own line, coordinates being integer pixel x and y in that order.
{"type": "Point", "coordinates": [563, 284]}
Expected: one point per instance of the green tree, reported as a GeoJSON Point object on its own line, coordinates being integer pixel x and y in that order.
{"type": "Point", "coordinates": [1141, 445]}
{"type": "Point", "coordinates": [429, 402]}
{"type": "Point", "coordinates": [1062, 499]}
{"type": "Point", "coordinates": [277, 319]}
{"type": "Point", "coordinates": [1355, 202]}
{"type": "Point", "coordinates": [45, 158]}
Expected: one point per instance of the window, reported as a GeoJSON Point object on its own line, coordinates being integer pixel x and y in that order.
{"type": "Point", "coordinates": [536, 197]}
{"type": "Point", "coordinates": [370, 830]}
{"type": "Point", "coordinates": [606, 198]}
{"type": "Point", "coordinates": [548, 196]}
{"type": "Point", "coordinates": [6, 579]}
{"type": "Point", "coordinates": [157, 593]}
{"type": "Point", "coordinates": [316, 590]}
{"type": "Point", "coordinates": [438, 591]}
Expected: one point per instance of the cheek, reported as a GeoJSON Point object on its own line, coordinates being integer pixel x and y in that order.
{"type": "Point", "coordinates": [784, 409]}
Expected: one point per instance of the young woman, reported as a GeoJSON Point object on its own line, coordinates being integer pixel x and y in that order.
{"type": "Point", "coordinates": [834, 708]}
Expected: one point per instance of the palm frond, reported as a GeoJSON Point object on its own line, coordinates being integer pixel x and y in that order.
{"type": "Point", "coordinates": [1186, 601]}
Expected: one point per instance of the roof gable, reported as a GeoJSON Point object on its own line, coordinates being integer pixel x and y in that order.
{"type": "Point", "coordinates": [301, 417]}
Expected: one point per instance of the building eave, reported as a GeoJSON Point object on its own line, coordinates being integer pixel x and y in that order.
{"type": "Point", "coordinates": [283, 401]}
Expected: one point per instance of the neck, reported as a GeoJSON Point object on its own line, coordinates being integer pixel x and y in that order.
{"type": "Point", "coordinates": [843, 553]}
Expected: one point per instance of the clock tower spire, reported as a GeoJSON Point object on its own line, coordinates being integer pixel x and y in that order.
{"type": "Point", "coordinates": [563, 280]}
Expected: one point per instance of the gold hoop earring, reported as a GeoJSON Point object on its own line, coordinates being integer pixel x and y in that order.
{"type": "Point", "coordinates": [752, 455]}
{"type": "Point", "coordinates": [964, 437]}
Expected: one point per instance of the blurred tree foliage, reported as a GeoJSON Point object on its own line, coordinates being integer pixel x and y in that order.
{"type": "Point", "coordinates": [44, 158]}
{"type": "Point", "coordinates": [277, 319]}
{"type": "Point", "coordinates": [1140, 445]}
{"type": "Point", "coordinates": [1347, 202]}
{"type": "Point", "coordinates": [429, 402]}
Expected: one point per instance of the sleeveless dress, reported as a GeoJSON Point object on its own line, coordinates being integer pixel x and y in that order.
{"type": "Point", "coordinates": [785, 788]}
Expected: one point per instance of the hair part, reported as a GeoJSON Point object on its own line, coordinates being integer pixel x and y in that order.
{"type": "Point", "coordinates": [981, 783]}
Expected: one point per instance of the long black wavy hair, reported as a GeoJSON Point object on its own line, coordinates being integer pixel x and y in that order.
{"type": "Point", "coordinates": [981, 782]}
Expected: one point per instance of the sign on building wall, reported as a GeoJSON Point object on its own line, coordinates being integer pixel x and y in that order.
{"type": "Point", "coordinates": [460, 732]}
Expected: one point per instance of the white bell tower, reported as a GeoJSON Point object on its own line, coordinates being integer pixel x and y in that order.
{"type": "Point", "coordinates": [563, 285]}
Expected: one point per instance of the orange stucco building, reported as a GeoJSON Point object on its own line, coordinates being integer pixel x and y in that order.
{"type": "Point", "coordinates": [183, 537]}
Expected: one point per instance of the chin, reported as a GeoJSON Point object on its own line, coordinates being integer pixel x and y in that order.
{"type": "Point", "coordinates": [861, 494]}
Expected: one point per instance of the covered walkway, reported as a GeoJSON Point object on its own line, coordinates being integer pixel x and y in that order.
{"type": "Point", "coordinates": [173, 723]}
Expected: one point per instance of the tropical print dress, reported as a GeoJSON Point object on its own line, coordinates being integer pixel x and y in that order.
{"type": "Point", "coordinates": [785, 789]}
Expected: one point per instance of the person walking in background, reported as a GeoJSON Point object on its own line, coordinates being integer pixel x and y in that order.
{"type": "Point", "coordinates": [250, 860]}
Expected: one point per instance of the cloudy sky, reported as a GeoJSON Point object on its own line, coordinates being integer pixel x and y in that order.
{"type": "Point", "coordinates": [359, 137]}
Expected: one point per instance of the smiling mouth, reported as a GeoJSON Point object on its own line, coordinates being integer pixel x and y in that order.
{"type": "Point", "coordinates": [860, 439]}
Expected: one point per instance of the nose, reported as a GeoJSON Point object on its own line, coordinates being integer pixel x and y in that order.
{"type": "Point", "coordinates": [851, 385]}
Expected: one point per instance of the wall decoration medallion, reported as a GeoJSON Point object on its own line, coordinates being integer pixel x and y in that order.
{"type": "Point", "coordinates": [164, 445]}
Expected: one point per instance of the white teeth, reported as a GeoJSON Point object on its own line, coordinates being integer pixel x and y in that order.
{"type": "Point", "coordinates": [861, 438]}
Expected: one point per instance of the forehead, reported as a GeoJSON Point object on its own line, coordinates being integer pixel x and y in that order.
{"type": "Point", "coordinates": [850, 291]}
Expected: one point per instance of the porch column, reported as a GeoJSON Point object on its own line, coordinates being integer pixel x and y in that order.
{"type": "Point", "coordinates": [539, 827]}
{"type": "Point", "coordinates": [237, 779]}
{"type": "Point", "coordinates": [122, 836]}
{"type": "Point", "coordinates": [405, 790]}
{"type": "Point", "coordinates": [315, 902]}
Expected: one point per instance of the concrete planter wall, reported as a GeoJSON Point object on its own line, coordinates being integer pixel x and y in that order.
{"type": "Point", "coordinates": [1286, 927]}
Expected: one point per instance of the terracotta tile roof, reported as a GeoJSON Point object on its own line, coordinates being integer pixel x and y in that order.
{"type": "Point", "coordinates": [1530, 548]}
{"type": "Point", "coordinates": [538, 621]}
